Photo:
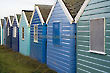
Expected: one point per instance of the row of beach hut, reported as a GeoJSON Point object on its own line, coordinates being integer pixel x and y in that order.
{"type": "Point", "coordinates": [71, 36]}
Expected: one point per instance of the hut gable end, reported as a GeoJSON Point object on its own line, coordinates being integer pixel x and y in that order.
{"type": "Point", "coordinates": [5, 20]}
{"type": "Point", "coordinates": [73, 6]}
{"type": "Point", "coordinates": [2, 21]}
{"type": "Point", "coordinates": [18, 17]}
{"type": "Point", "coordinates": [11, 19]}
{"type": "Point", "coordinates": [43, 11]}
{"type": "Point", "coordinates": [28, 15]}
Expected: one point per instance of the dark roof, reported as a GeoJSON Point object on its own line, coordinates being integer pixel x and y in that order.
{"type": "Point", "coordinates": [2, 21]}
{"type": "Point", "coordinates": [28, 14]}
{"type": "Point", "coordinates": [18, 17]}
{"type": "Point", "coordinates": [6, 18]}
{"type": "Point", "coordinates": [45, 10]}
{"type": "Point", "coordinates": [11, 19]}
{"type": "Point", "coordinates": [73, 6]}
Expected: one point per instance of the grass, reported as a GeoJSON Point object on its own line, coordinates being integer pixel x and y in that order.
{"type": "Point", "coordinates": [13, 62]}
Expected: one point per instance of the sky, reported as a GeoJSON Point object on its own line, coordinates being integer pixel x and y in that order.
{"type": "Point", "coordinates": [12, 7]}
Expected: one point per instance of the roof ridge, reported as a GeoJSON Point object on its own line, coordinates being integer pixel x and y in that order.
{"type": "Point", "coordinates": [27, 10]}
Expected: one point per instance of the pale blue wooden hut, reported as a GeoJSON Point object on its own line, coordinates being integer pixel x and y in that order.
{"type": "Point", "coordinates": [15, 33]}
{"type": "Point", "coordinates": [4, 30]}
{"type": "Point", "coordinates": [24, 32]}
{"type": "Point", "coordinates": [93, 51]}
{"type": "Point", "coordinates": [61, 35]}
{"type": "Point", "coordinates": [38, 32]}
{"type": "Point", "coordinates": [0, 31]}
{"type": "Point", "coordinates": [2, 22]}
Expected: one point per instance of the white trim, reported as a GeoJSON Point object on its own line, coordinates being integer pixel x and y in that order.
{"type": "Point", "coordinates": [13, 21]}
{"type": "Point", "coordinates": [16, 20]}
{"type": "Point", "coordinates": [66, 11]}
{"type": "Point", "coordinates": [103, 53]}
{"type": "Point", "coordinates": [8, 31]}
{"type": "Point", "coordinates": [40, 15]}
{"type": "Point", "coordinates": [81, 10]}
{"type": "Point", "coordinates": [35, 40]}
{"type": "Point", "coordinates": [32, 16]}
{"type": "Point", "coordinates": [104, 38]}
{"type": "Point", "coordinates": [9, 21]}
{"type": "Point", "coordinates": [20, 19]}
{"type": "Point", "coordinates": [14, 31]}
{"type": "Point", "coordinates": [6, 21]}
{"type": "Point", "coordinates": [26, 19]}
{"type": "Point", "coordinates": [50, 13]}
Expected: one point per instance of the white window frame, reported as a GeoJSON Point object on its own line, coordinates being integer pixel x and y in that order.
{"type": "Point", "coordinates": [8, 31]}
{"type": "Point", "coordinates": [36, 34]}
{"type": "Point", "coordinates": [98, 52]}
{"type": "Point", "coordinates": [14, 32]}
{"type": "Point", "coordinates": [22, 33]}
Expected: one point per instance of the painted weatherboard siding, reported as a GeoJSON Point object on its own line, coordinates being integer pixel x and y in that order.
{"type": "Point", "coordinates": [8, 38]}
{"type": "Point", "coordinates": [89, 62]}
{"type": "Point", "coordinates": [61, 58]}
{"type": "Point", "coordinates": [24, 45]}
{"type": "Point", "coordinates": [38, 50]}
{"type": "Point", "coordinates": [1, 35]}
{"type": "Point", "coordinates": [15, 40]}
{"type": "Point", "coordinates": [4, 30]}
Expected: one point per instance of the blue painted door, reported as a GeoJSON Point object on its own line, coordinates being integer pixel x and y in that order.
{"type": "Point", "coordinates": [56, 33]}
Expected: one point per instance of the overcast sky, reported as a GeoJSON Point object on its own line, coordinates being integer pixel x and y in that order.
{"type": "Point", "coordinates": [11, 7]}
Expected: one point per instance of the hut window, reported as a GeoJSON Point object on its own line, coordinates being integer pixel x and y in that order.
{"type": "Point", "coordinates": [56, 33]}
{"type": "Point", "coordinates": [36, 33]}
{"type": "Point", "coordinates": [14, 32]}
{"type": "Point", "coordinates": [8, 31]}
{"type": "Point", "coordinates": [97, 33]}
{"type": "Point", "coordinates": [22, 33]}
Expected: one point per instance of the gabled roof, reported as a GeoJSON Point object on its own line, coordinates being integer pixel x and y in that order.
{"type": "Point", "coordinates": [44, 10]}
{"type": "Point", "coordinates": [11, 19]}
{"type": "Point", "coordinates": [6, 18]}
{"type": "Point", "coordinates": [18, 17]}
{"type": "Point", "coordinates": [81, 10]}
{"type": "Point", "coordinates": [2, 21]}
{"type": "Point", "coordinates": [72, 8]}
{"type": "Point", "coordinates": [28, 14]}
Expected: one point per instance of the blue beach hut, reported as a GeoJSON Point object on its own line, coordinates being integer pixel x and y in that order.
{"type": "Point", "coordinates": [61, 33]}
{"type": "Point", "coordinates": [4, 30]}
{"type": "Point", "coordinates": [15, 32]}
{"type": "Point", "coordinates": [2, 22]}
{"type": "Point", "coordinates": [24, 32]}
{"type": "Point", "coordinates": [0, 31]}
{"type": "Point", "coordinates": [38, 32]}
{"type": "Point", "coordinates": [93, 44]}
{"type": "Point", "coordinates": [9, 32]}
